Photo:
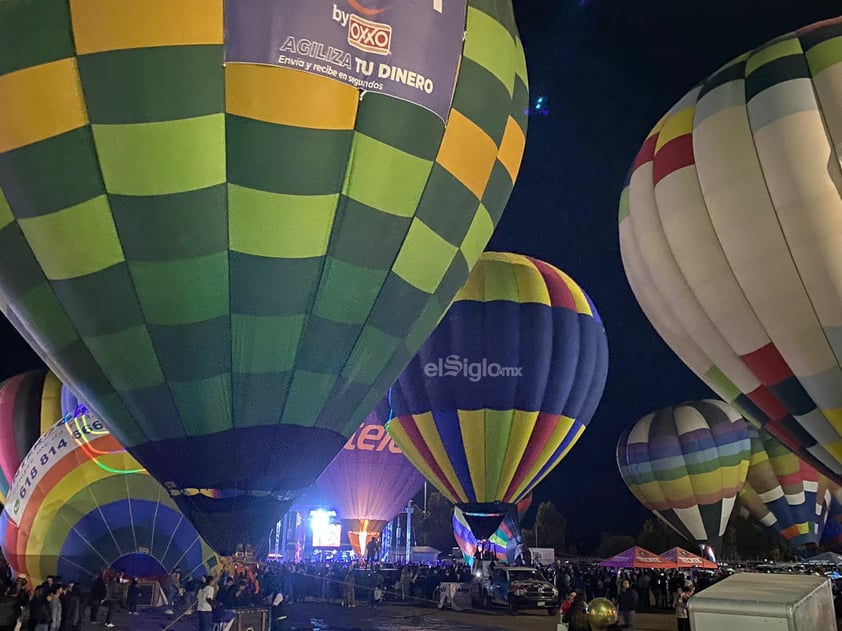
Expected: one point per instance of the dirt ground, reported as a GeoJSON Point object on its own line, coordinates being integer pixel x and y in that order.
{"type": "Point", "coordinates": [389, 617]}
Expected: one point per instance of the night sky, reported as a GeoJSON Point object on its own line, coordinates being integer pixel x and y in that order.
{"type": "Point", "coordinates": [609, 69]}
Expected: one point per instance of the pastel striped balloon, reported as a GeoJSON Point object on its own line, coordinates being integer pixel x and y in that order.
{"type": "Point", "coordinates": [731, 237]}
{"type": "Point", "coordinates": [686, 464]}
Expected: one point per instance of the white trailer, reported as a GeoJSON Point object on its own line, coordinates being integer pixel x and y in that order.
{"type": "Point", "coordinates": [544, 556]}
{"type": "Point", "coordinates": [764, 602]}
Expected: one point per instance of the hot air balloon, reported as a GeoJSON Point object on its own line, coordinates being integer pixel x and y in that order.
{"type": "Point", "coordinates": [687, 463]}
{"type": "Point", "coordinates": [80, 503]}
{"type": "Point", "coordinates": [785, 495]}
{"type": "Point", "coordinates": [503, 388]}
{"type": "Point", "coordinates": [29, 406]}
{"type": "Point", "coordinates": [730, 230]}
{"type": "Point", "coordinates": [229, 236]}
{"type": "Point", "coordinates": [370, 481]}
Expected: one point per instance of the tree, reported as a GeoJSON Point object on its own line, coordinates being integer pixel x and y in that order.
{"type": "Point", "coordinates": [657, 537]}
{"type": "Point", "coordinates": [611, 544]}
{"type": "Point", "coordinates": [745, 541]}
{"type": "Point", "coordinates": [435, 527]}
{"type": "Point", "coordinates": [549, 530]}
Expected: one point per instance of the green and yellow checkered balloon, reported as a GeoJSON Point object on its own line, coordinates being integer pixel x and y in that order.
{"type": "Point", "coordinates": [231, 263]}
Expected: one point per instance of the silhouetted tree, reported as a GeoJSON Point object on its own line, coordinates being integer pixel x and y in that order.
{"type": "Point", "coordinates": [611, 544]}
{"type": "Point", "coordinates": [657, 537]}
{"type": "Point", "coordinates": [435, 527]}
{"type": "Point", "coordinates": [745, 541]}
{"type": "Point", "coordinates": [549, 530]}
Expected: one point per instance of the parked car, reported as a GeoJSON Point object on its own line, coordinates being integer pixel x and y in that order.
{"type": "Point", "coordinates": [521, 588]}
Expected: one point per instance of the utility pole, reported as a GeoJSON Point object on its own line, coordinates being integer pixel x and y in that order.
{"type": "Point", "coordinates": [409, 510]}
{"type": "Point", "coordinates": [284, 525]}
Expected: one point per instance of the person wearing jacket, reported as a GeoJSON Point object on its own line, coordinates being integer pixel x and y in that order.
{"type": "Point", "coordinates": [98, 593]}
{"type": "Point", "coordinates": [9, 610]}
{"type": "Point", "coordinates": [681, 614]}
{"type": "Point", "coordinates": [39, 609]}
{"type": "Point", "coordinates": [627, 603]}
{"type": "Point", "coordinates": [71, 608]}
{"type": "Point", "coordinates": [577, 616]}
{"type": "Point", "coordinates": [133, 597]}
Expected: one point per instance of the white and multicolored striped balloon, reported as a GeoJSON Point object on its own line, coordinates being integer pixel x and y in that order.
{"type": "Point", "coordinates": [731, 237]}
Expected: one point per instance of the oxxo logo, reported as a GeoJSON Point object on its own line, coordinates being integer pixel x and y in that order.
{"type": "Point", "coordinates": [372, 438]}
{"type": "Point", "coordinates": [365, 35]}
{"type": "Point", "coordinates": [455, 366]}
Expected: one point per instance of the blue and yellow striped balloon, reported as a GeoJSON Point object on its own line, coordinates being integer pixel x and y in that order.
{"type": "Point", "coordinates": [506, 384]}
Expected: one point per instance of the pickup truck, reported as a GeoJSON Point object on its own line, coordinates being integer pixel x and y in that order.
{"type": "Point", "coordinates": [521, 588]}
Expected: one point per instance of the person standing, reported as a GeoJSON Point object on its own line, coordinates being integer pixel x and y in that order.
{"type": "Point", "coordinates": [112, 593]}
{"type": "Point", "coordinates": [351, 587]}
{"type": "Point", "coordinates": [204, 610]}
{"type": "Point", "coordinates": [55, 607]}
{"type": "Point", "coordinates": [371, 550]}
{"type": "Point", "coordinates": [71, 608]}
{"type": "Point", "coordinates": [9, 610]}
{"type": "Point", "coordinates": [39, 609]}
{"type": "Point", "coordinates": [98, 594]}
{"type": "Point", "coordinates": [175, 592]}
{"type": "Point", "coordinates": [133, 597]}
{"type": "Point", "coordinates": [406, 582]}
{"type": "Point", "coordinates": [682, 616]}
{"type": "Point", "coordinates": [627, 602]}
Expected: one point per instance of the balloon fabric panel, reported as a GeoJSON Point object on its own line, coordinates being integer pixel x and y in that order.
{"type": "Point", "coordinates": [733, 205]}
{"type": "Point", "coordinates": [200, 184]}
{"type": "Point", "coordinates": [832, 534]}
{"type": "Point", "coordinates": [480, 438]}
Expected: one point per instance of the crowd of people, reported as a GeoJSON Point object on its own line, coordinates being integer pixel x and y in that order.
{"type": "Point", "coordinates": [62, 606]}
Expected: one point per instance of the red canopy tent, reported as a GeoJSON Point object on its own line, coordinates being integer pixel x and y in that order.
{"type": "Point", "coordinates": [683, 559]}
{"type": "Point", "coordinates": [638, 557]}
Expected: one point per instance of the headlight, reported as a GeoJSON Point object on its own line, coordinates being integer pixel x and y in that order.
{"type": "Point", "coordinates": [555, 592]}
{"type": "Point", "coordinates": [479, 574]}
{"type": "Point", "coordinates": [519, 592]}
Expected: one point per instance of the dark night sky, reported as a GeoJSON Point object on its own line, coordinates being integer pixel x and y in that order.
{"type": "Point", "coordinates": [610, 69]}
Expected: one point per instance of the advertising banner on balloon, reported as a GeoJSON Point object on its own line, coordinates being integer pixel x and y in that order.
{"type": "Point", "coordinates": [61, 439]}
{"type": "Point", "coordinates": [406, 49]}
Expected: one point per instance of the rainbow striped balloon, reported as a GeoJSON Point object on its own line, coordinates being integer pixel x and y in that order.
{"type": "Point", "coordinates": [81, 503]}
{"type": "Point", "coordinates": [686, 464]}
